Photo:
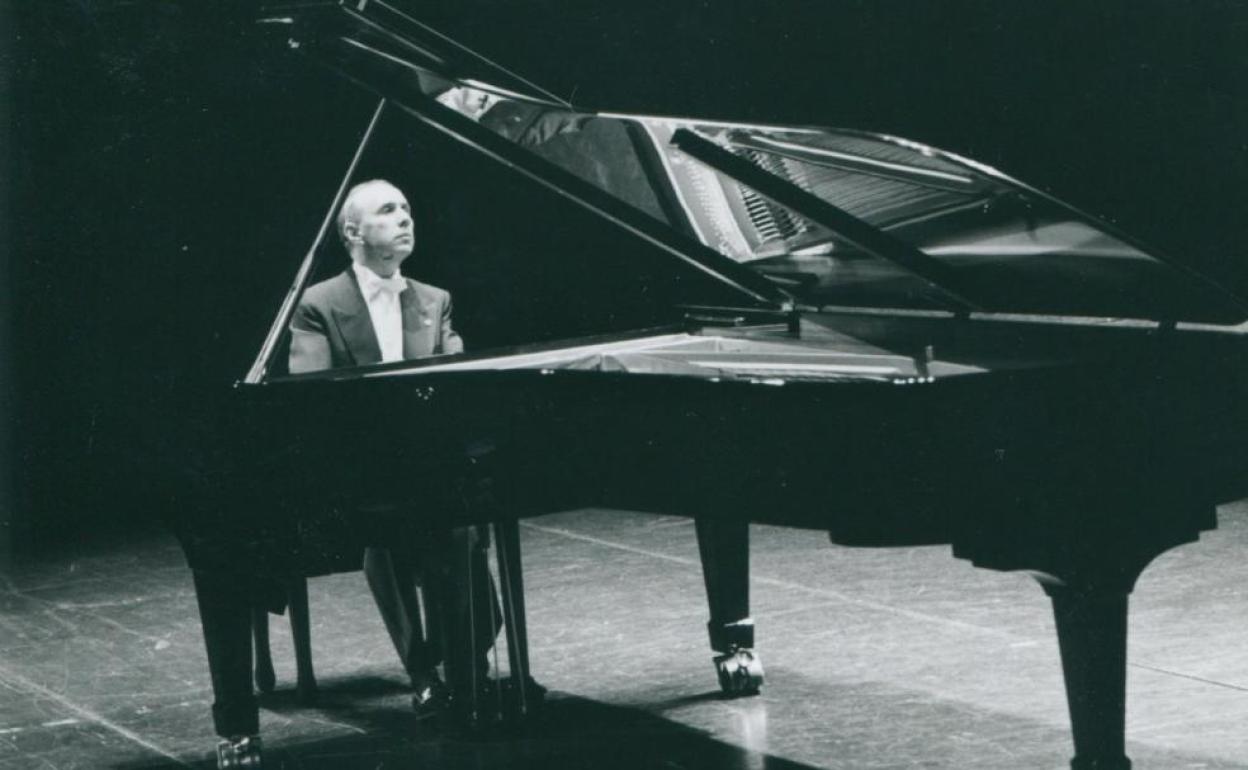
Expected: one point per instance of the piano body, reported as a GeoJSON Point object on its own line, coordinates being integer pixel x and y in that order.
{"type": "Point", "coordinates": [813, 328]}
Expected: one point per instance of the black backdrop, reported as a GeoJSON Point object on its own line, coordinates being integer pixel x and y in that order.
{"type": "Point", "coordinates": [163, 179]}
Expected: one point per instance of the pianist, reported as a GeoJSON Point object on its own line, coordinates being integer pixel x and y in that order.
{"type": "Point", "coordinates": [367, 314]}
{"type": "Point", "coordinates": [408, 319]}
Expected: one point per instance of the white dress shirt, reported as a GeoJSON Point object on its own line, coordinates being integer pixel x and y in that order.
{"type": "Point", "coordinates": [381, 295]}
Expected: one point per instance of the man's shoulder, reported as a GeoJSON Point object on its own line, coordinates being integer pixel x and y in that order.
{"type": "Point", "coordinates": [428, 292]}
{"type": "Point", "coordinates": [326, 292]}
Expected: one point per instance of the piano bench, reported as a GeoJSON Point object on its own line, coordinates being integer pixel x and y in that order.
{"type": "Point", "coordinates": [262, 670]}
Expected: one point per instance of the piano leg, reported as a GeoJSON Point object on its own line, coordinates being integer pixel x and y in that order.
{"type": "Point", "coordinates": [1092, 636]}
{"type": "Point", "coordinates": [225, 613]}
{"type": "Point", "coordinates": [725, 550]}
{"type": "Point", "coordinates": [1088, 577]}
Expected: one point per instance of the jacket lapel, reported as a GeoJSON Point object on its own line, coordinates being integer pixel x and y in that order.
{"type": "Point", "coordinates": [355, 325]}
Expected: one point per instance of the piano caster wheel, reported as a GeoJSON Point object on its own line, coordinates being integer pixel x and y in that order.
{"type": "Point", "coordinates": [239, 753]}
{"type": "Point", "coordinates": [740, 672]}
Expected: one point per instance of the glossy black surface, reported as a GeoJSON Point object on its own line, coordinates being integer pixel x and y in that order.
{"type": "Point", "coordinates": [1132, 443]}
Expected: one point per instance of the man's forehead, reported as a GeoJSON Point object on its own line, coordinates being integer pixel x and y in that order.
{"type": "Point", "coordinates": [373, 195]}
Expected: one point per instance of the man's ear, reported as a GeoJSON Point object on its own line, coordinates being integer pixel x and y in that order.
{"type": "Point", "coordinates": [351, 231]}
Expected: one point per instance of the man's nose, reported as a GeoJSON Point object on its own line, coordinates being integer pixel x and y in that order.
{"type": "Point", "coordinates": [406, 223]}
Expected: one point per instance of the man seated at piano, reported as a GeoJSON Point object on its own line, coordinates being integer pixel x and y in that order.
{"type": "Point", "coordinates": [405, 318]}
{"type": "Point", "coordinates": [367, 314]}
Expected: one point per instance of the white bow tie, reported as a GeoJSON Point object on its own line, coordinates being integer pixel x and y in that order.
{"type": "Point", "coordinates": [375, 284]}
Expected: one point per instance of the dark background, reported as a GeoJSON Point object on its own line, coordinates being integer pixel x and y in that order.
{"type": "Point", "coordinates": [162, 177]}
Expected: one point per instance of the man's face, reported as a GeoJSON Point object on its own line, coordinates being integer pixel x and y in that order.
{"type": "Point", "coordinates": [382, 222]}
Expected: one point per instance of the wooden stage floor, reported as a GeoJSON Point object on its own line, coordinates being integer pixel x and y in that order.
{"type": "Point", "coordinates": [875, 659]}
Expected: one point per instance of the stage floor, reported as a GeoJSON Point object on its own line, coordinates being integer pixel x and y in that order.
{"type": "Point", "coordinates": [875, 659]}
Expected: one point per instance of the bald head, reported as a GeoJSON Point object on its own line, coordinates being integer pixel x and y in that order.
{"type": "Point", "coordinates": [357, 197]}
{"type": "Point", "coordinates": [375, 224]}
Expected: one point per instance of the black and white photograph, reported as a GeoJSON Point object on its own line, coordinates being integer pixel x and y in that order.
{"type": "Point", "coordinates": [640, 385]}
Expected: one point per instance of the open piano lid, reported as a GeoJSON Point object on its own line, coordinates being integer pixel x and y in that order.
{"type": "Point", "coordinates": [783, 216]}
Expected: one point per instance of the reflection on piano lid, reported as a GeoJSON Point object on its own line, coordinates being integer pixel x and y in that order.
{"type": "Point", "coordinates": [708, 357]}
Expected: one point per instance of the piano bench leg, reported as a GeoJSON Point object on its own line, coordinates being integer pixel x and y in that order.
{"type": "Point", "coordinates": [263, 672]}
{"type": "Point", "coordinates": [1092, 637]}
{"type": "Point", "coordinates": [265, 678]}
{"type": "Point", "coordinates": [306, 690]}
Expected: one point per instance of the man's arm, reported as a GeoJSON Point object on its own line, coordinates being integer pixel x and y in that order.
{"type": "Point", "coordinates": [309, 345]}
{"type": "Point", "coordinates": [451, 341]}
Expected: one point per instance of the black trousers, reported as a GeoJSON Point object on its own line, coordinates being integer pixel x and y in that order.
{"type": "Point", "coordinates": [461, 603]}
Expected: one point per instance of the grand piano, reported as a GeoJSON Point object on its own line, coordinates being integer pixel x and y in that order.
{"type": "Point", "coordinates": [806, 327]}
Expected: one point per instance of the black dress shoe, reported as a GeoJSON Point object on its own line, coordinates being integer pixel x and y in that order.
{"type": "Point", "coordinates": [431, 696]}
